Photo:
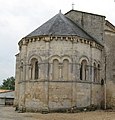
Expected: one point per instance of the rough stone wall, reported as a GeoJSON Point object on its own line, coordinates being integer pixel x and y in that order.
{"type": "Point", "coordinates": [16, 81]}
{"type": "Point", "coordinates": [110, 60]}
{"type": "Point", "coordinates": [46, 93]}
{"type": "Point", "coordinates": [92, 23]}
{"type": "Point", "coordinates": [36, 96]}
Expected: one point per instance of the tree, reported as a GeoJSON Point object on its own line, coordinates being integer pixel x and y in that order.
{"type": "Point", "coordinates": [8, 84]}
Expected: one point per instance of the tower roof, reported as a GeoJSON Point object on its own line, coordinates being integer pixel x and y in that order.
{"type": "Point", "coordinates": [60, 25]}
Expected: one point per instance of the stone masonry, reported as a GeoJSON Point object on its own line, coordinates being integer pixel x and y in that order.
{"type": "Point", "coordinates": [67, 62]}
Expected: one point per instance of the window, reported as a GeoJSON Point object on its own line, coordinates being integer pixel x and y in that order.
{"type": "Point", "coordinates": [21, 70]}
{"type": "Point", "coordinates": [83, 70]}
{"type": "Point", "coordinates": [98, 73]}
{"type": "Point", "coordinates": [65, 71]}
{"type": "Point", "coordinates": [34, 69]}
{"type": "Point", "coordinates": [81, 67]}
{"type": "Point", "coordinates": [95, 72]}
{"type": "Point", "coordinates": [55, 69]}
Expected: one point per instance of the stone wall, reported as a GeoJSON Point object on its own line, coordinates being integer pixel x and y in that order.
{"type": "Point", "coordinates": [110, 61]}
{"type": "Point", "coordinates": [92, 23]}
{"type": "Point", "coordinates": [48, 93]}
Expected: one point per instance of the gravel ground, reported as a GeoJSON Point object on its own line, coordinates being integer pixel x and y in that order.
{"type": "Point", "coordinates": [9, 113]}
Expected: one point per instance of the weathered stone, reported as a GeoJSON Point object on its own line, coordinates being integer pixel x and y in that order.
{"type": "Point", "coordinates": [55, 84]}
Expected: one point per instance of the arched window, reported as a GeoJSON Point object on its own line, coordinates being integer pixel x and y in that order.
{"type": "Point", "coordinates": [34, 69]}
{"type": "Point", "coordinates": [95, 72]}
{"type": "Point", "coordinates": [65, 71]}
{"type": "Point", "coordinates": [55, 69]}
{"type": "Point", "coordinates": [21, 70]}
{"type": "Point", "coordinates": [81, 67]}
{"type": "Point", "coordinates": [98, 74]}
{"type": "Point", "coordinates": [83, 70]}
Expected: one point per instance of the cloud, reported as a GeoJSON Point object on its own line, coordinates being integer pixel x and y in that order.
{"type": "Point", "coordinates": [20, 17]}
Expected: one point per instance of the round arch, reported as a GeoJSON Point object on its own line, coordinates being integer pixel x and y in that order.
{"type": "Point", "coordinates": [34, 56]}
{"type": "Point", "coordinates": [66, 58]}
{"type": "Point", "coordinates": [84, 58]}
{"type": "Point", "coordinates": [54, 57]}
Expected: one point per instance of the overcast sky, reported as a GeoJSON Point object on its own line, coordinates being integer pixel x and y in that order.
{"type": "Point", "coordinates": [20, 17]}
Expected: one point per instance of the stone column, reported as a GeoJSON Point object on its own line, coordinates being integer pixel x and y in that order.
{"type": "Point", "coordinates": [23, 79]}
{"type": "Point", "coordinates": [17, 78]}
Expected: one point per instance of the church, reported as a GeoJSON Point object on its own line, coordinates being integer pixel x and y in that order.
{"type": "Point", "coordinates": [67, 62]}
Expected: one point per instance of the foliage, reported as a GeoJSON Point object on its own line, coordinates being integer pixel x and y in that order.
{"type": "Point", "coordinates": [8, 84]}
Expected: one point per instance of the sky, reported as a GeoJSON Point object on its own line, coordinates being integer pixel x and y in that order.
{"type": "Point", "coordinates": [20, 17]}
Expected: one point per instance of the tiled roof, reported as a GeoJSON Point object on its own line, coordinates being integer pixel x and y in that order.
{"type": "Point", "coordinates": [2, 91]}
{"type": "Point", "coordinates": [8, 94]}
{"type": "Point", "coordinates": [60, 25]}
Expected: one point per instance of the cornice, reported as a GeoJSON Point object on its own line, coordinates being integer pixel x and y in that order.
{"type": "Point", "coordinates": [73, 39]}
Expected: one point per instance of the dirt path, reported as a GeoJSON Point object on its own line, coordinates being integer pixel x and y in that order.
{"type": "Point", "coordinates": [8, 113]}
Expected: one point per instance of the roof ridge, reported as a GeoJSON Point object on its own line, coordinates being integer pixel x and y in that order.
{"type": "Point", "coordinates": [61, 25]}
{"type": "Point", "coordinates": [54, 20]}
{"type": "Point", "coordinates": [85, 12]}
{"type": "Point", "coordinates": [40, 26]}
{"type": "Point", "coordinates": [76, 25]}
{"type": "Point", "coordinates": [83, 30]}
{"type": "Point", "coordinates": [88, 33]}
{"type": "Point", "coordinates": [67, 22]}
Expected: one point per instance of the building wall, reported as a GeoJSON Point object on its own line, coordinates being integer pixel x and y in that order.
{"type": "Point", "coordinates": [7, 98]}
{"type": "Point", "coordinates": [2, 102]}
{"type": "Point", "coordinates": [17, 75]}
{"type": "Point", "coordinates": [92, 23]}
{"type": "Point", "coordinates": [49, 93]}
{"type": "Point", "coordinates": [110, 61]}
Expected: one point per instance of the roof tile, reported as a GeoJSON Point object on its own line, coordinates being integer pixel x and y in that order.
{"type": "Point", "coordinates": [60, 25]}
